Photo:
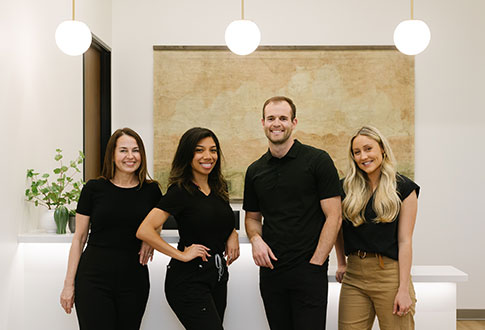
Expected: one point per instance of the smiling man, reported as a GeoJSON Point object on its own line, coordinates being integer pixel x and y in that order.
{"type": "Point", "coordinates": [295, 187]}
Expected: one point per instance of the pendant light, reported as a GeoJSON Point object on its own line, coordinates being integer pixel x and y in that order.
{"type": "Point", "coordinates": [73, 37]}
{"type": "Point", "coordinates": [242, 36]}
{"type": "Point", "coordinates": [411, 37]}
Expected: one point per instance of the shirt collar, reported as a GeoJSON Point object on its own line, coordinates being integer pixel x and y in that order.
{"type": "Point", "coordinates": [292, 153]}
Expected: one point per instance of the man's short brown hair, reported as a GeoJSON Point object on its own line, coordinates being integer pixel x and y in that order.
{"type": "Point", "coordinates": [277, 99]}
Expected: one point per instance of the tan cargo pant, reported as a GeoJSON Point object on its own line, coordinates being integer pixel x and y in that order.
{"type": "Point", "coordinates": [368, 289]}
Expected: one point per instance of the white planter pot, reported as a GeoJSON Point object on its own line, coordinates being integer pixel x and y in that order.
{"type": "Point", "coordinates": [47, 222]}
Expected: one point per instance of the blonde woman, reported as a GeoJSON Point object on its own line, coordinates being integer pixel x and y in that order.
{"type": "Point", "coordinates": [379, 208]}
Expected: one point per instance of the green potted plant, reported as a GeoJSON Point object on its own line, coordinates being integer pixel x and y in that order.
{"type": "Point", "coordinates": [57, 191]}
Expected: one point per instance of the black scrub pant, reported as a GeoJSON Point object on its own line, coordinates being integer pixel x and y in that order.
{"type": "Point", "coordinates": [197, 292]}
{"type": "Point", "coordinates": [295, 299]}
{"type": "Point", "coordinates": [111, 289]}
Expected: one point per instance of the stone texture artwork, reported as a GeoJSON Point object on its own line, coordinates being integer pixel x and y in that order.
{"type": "Point", "coordinates": [336, 90]}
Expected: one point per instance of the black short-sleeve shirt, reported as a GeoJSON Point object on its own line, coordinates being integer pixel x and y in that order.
{"type": "Point", "coordinates": [380, 238]}
{"type": "Point", "coordinates": [287, 191]}
{"type": "Point", "coordinates": [201, 219]}
{"type": "Point", "coordinates": [116, 213]}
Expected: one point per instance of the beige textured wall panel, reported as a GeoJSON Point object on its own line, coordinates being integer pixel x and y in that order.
{"type": "Point", "coordinates": [335, 90]}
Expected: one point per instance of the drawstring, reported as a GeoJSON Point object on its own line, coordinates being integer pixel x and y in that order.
{"type": "Point", "coordinates": [220, 268]}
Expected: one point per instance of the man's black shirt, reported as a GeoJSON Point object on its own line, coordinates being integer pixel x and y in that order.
{"type": "Point", "coordinates": [287, 191]}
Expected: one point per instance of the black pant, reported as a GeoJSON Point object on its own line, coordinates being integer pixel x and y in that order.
{"type": "Point", "coordinates": [197, 292]}
{"type": "Point", "coordinates": [111, 289]}
{"type": "Point", "coordinates": [295, 299]}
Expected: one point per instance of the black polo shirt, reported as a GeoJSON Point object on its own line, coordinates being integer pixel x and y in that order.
{"type": "Point", "coordinates": [287, 191]}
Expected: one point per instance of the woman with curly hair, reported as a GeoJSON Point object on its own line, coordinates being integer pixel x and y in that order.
{"type": "Point", "coordinates": [379, 210]}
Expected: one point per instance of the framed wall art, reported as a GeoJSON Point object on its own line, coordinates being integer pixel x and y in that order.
{"type": "Point", "coordinates": [336, 89]}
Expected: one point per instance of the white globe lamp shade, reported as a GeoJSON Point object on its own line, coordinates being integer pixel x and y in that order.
{"type": "Point", "coordinates": [73, 37]}
{"type": "Point", "coordinates": [411, 37]}
{"type": "Point", "coordinates": [242, 37]}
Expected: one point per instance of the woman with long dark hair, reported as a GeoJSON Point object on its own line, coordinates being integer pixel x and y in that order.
{"type": "Point", "coordinates": [108, 282]}
{"type": "Point", "coordinates": [379, 211]}
{"type": "Point", "coordinates": [196, 280]}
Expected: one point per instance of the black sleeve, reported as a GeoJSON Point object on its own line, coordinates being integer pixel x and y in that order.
{"type": "Point", "coordinates": [342, 193]}
{"type": "Point", "coordinates": [85, 202]}
{"type": "Point", "coordinates": [156, 193]}
{"type": "Point", "coordinates": [406, 186]}
{"type": "Point", "coordinates": [328, 183]}
{"type": "Point", "coordinates": [174, 200]}
{"type": "Point", "coordinates": [250, 199]}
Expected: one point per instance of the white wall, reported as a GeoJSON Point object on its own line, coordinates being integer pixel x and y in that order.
{"type": "Point", "coordinates": [41, 102]}
{"type": "Point", "coordinates": [450, 116]}
{"type": "Point", "coordinates": [41, 109]}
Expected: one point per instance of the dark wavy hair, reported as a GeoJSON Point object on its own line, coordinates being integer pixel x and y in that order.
{"type": "Point", "coordinates": [181, 171]}
{"type": "Point", "coordinates": [109, 166]}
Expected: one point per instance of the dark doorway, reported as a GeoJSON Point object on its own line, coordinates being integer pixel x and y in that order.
{"type": "Point", "coordinates": [97, 106]}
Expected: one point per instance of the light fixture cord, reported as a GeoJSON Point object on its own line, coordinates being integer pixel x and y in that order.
{"type": "Point", "coordinates": [242, 9]}
{"type": "Point", "coordinates": [412, 9]}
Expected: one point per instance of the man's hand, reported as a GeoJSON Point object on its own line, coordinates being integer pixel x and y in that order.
{"type": "Point", "coordinates": [262, 253]}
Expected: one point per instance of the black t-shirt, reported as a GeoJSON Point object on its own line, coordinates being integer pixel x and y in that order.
{"type": "Point", "coordinates": [380, 238]}
{"type": "Point", "coordinates": [287, 191]}
{"type": "Point", "coordinates": [201, 219]}
{"type": "Point", "coordinates": [116, 213]}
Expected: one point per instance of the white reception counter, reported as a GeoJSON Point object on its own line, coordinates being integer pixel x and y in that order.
{"type": "Point", "coordinates": [43, 258]}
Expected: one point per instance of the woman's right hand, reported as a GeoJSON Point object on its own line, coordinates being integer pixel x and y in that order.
{"type": "Point", "coordinates": [339, 274]}
{"type": "Point", "coordinates": [195, 251]}
{"type": "Point", "coordinates": [67, 298]}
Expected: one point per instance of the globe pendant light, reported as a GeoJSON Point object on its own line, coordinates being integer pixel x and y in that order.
{"type": "Point", "coordinates": [73, 37]}
{"type": "Point", "coordinates": [242, 36]}
{"type": "Point", "coordinates": [411, 37]}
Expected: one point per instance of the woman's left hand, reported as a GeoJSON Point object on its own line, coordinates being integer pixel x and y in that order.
{"type": "Point", "coordinates": [146, 253]}
{"type": "Point", "coordinates": [232, 247]}
{"type": "Point", "coordinates": [402, 303]}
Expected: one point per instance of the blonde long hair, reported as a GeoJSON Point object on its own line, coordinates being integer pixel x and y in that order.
{"type": "Point", "coordinates": [358, 190]}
